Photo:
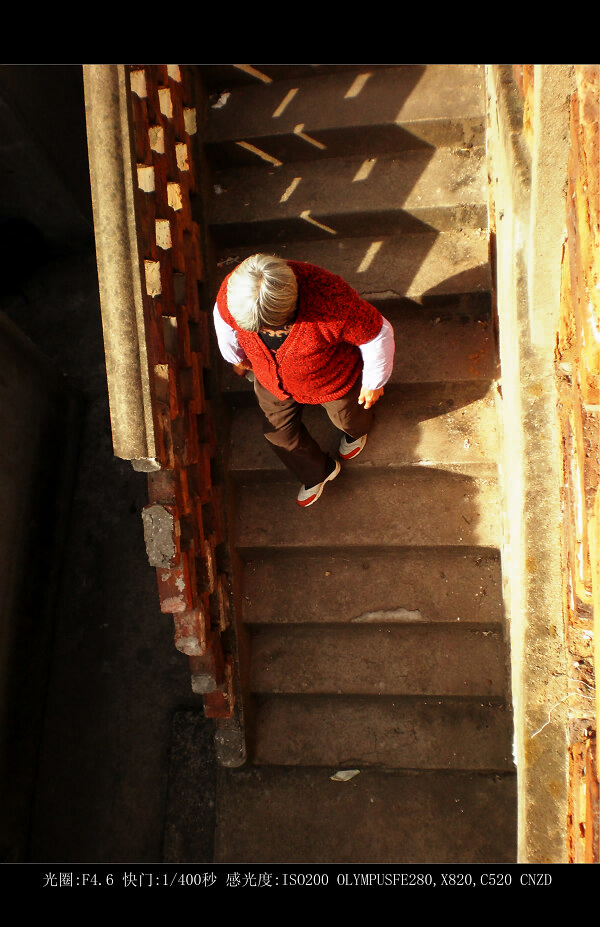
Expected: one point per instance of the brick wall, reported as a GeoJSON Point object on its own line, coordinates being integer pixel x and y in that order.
{"type": "Point", "coordinates": [578, 385]}
{"type": "Point", "coordinates": [184, 520]}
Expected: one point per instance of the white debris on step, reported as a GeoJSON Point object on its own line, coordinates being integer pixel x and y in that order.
{"type": "Point", "coordinates": [221, 101]}
{"type": "Point", "coordinates": [343, 775]}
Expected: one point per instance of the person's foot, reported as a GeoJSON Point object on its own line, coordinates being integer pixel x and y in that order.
{"type": "Point", "coordinates": [306, 496]}
{"type": "Point", "coordinates": [351, 447]}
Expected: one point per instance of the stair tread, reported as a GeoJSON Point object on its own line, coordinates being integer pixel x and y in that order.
{"type": "Point", "coordinates": [430, 348]}
{"type": "Point", "coordinates": [384, 731]}
{"type": "Point", "coordinates": [219, 77]}
{"type": "Point", "coordinates": [378, 659]}
{"type": "Point", "coordinates": [288, 116]}
{"type": "Point", "coordinates": [344, 585]}
{"type": "Point", "coordinates": [416, 506]}
{"type": "Point", "coordinates": [414, 424]}
{"type": "Point", "coordinates": [427, 267]}
{"type": "Point", "coordinates": [267, 815]}
{"type": "Point", "coordinates": [417, 190]}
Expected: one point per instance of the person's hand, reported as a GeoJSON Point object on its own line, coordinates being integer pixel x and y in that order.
{"type": "Point", "coordinates": [241, 369]}
{"type": "Point", "coordinates": [368, 397]}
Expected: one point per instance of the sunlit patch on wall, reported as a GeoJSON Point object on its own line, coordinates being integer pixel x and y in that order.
{"type": "Point", "coordinates": [357, 85]}
{"type": "Point", "coordinates": [369, 256]}
{"type": "Point", "coordinates": [365, 169]}
{"type": "Point", "coordinates": [321, 225]}
{"type": "Point", "coordinates": [286, 195]}
{"type": "Point", "coordinates": [299, 131]}
{"type": "Point", "coordinates": [254, 72]}
{"type": "Point", "coordinates": [285, 102]}
{"type": "Point", "coordinates": [260, 153]}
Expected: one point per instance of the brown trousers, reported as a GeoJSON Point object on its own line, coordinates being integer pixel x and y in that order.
{"type": "Point", "coordinates": [288, 436]}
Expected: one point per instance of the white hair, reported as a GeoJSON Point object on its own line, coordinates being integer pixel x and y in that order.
{"type": "Point", "coordinates": [262, 291]}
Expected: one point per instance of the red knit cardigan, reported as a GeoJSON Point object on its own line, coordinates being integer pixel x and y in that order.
{"type": "Point", "coordinates": [319, 361]}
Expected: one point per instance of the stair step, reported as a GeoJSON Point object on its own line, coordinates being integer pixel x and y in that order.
{"type": "Point", "coordinates": [423, 507]}
{"type": "Point", "coordinates": [361, 587]}
{"type": "Point", "coordinates": [372, 659]}
{"type": "Point", "coordinates": [300, 816]}
{"type": "Point", "coordinates": [222, 77]}
{"type": "Point", "coordinates": [432, 424]}
{"type": "Point", "coordinates": [368, 111]}
{"type": "Point", "coordinates": [420, 190]}
{"type": "Point", "coordinates": [430, 348]}
{"type": "Point", "coordinates": [398, 733]}
{"type": "Point", "coordinates": [435, 269]}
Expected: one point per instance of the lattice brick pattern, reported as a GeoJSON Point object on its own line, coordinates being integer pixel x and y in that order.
{"type": "Point", "coordinates": [184, 520]}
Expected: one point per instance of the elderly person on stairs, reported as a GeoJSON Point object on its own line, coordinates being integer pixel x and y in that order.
{"type": "Point", "coordinates": [308, 338]}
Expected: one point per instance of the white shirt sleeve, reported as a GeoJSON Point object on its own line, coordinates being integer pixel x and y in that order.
{"type": "Point", "coordinates": [227, 340]}
{"type": "Point", "coordinates": [378, 358]}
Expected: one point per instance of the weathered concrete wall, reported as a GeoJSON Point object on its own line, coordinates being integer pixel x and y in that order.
{"type": "Point", "coordinates": [531, 160]}
{"type": "Point", "coordinates": [578, 387]}
{"type": "Point", "coordinates": [120, 267]}
{"type": "Point", "coordinates": [528, 187]}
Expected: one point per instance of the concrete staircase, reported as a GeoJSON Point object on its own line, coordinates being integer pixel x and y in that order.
{"type": "Point", "coordinates": [372, 633]}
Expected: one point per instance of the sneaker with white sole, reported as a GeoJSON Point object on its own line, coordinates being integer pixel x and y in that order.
{"type": "Point", "coordinates": [308, 496]}
{"type": "Point", "coordinates": [351, 447]}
